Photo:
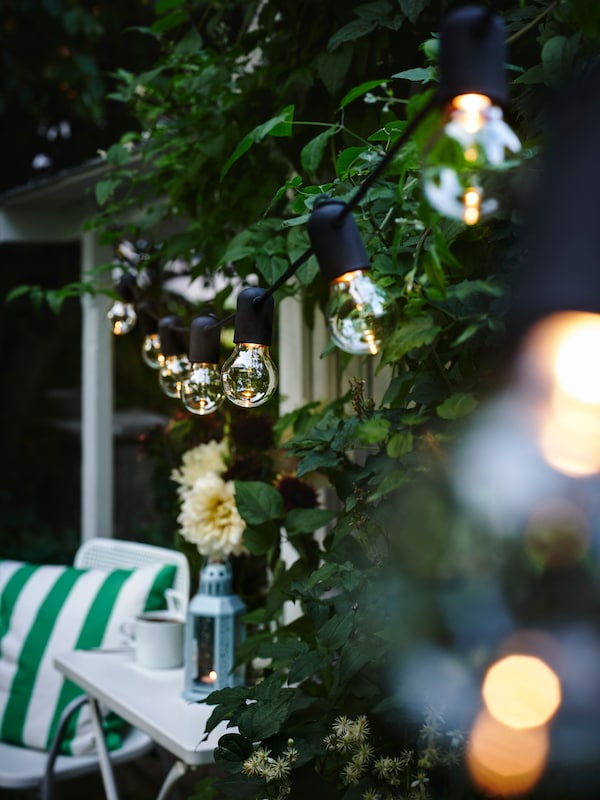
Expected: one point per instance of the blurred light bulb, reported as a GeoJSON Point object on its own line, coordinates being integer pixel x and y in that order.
{"type": "Point", "coordinates": [358, 313]}
{"type": "Point", "coordinates": [172, 374]}
{"type": "Point", "coordinates": [121, 317]}
{"type": "Point", "coordinates": [151, 352]}
{"type": "Point", "coordinates": [202, 391]}
{"type": "Point", "coordinates": [563, 391]}
{"type": "Point", "coordinates": [462, 161]}
{"type": "Point", "coordinates": [249, 375]}
{"type": "Point", "coordinates": [176, 366]}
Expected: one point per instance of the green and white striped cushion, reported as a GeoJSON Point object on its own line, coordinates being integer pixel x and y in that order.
{"type": "Point", "coordinates": [47, 609]}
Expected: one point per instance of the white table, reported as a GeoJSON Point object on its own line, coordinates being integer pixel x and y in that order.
{"type": "Point", "coordinates": [150, 700]}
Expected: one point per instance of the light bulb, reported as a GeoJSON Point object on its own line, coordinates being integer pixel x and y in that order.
{"type": "Point", "coordinates": [151, 352]}
{"type": "Point", "coordinates": [176, 366]}
{"type": "Point", "coordinates": [121, 317]}
{"type": "Point", "coordinates": [172, 374]}
{"type": "Point", "coordinates": [249, 375]}
{"type": "Point", "coordinates": [358, 313]}
{"type": "Point", "coordinates": [202, 391]}
{"type": "Point", "coordinates": [463, 160]}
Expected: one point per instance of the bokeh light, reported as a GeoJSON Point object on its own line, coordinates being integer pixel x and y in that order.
{"type": "Point", "coordinates": [521, 691]}
{"type": "Point", "coordinates": [503, 761]}
{"type": "Point", "coordinates": [556, 371]}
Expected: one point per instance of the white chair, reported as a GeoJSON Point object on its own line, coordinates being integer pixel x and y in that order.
{"type": "Point", "coordinates": [22, 768]}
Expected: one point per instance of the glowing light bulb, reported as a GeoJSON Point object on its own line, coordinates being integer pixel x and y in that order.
{"type": "Point", "coordinates": [121, 317]}
{"type": "Point", "coordinates": [463, 160]}
{"type": "Point", "coordinates": [249, 375]}
{"type": "Point", "coordinates": [554, 375]}
{"type": "Point", "coordinates": [176, 366]}
{"type": "Point", "coordinates": [172, 374]}
{"type": "Point", "coordinates": [358, 313]}
{"type": "Point", "coordinates": [202, 391]}
{"type": "Point", "coordinates": [151, 352]}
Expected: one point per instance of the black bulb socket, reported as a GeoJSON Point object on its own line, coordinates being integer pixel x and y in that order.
{"type": "Point", "coordinates": [205, 340]}
{"type": "Point", "coordinates": [254, 317]}
{"type": "Point", "coordinates": [172, 336]}
{"type": "Point", "coordinates": [335, 239]}
{"type": "Point", "coordinates": [472, 54]}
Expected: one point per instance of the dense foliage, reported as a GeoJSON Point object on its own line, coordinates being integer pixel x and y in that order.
{"type": "Point", "coordinates": [249, 112]}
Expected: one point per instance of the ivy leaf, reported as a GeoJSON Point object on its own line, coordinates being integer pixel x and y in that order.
{"type": "Point", "coordinates": [280, 125]}
{"type": "Point", "coordinates": [457, 405]}
{"type": "Point", "coordinates": [413, 8]}
{"type": "Point", "coordinates": [258, 502]}
{"type": "Point", "coordinates": [307, 520]}
{"type": "Point", "coordinates": [233, 747]}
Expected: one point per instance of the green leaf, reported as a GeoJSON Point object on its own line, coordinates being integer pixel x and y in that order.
{"type": "Point", "coordinates": [307, 520]}
{"type": "Point", "coordinates": [117, 155]}
{"type": "Point", "coordinates": [280, 125]}
{"type": "Point", "coordinates": [408, 335]}
{"type": "Point", "coordinates": [260, 540]}
{"type": "Point", "coordinates": [400, 444]}
{"type": "Point", "coordinates": [359, 91]}
{"type": "Point", "coordinates": [336, 631]}
{"type": "Point", "coordinates": [417, 74]}
{"type": "Point", "coordinates": [311, 154]}
{"type": "Point", "coordinates": [233, 747]}
{"type": "Point", "coordinates": [413, 8]}
{"type": "Point", "coordinates": [258, 502]}
{"type": "Point", "coordinates": [372, 431]}
{"type": "Point", "coordinates": [457, 405]}
{"type": "Point", "coordinates": [264, 719]}
{"type": "Point", "coordinates": [104, 189]}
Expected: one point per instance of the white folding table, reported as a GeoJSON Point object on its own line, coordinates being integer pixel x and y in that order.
{"type": "Point", "coordinates": [150, 700]}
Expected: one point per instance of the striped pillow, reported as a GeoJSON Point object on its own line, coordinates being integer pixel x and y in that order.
{"type": "Point", "coordinates": [45, 610]}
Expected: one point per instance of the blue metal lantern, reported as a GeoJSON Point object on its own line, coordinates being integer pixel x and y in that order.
{"type": "Point", "coordinates": [214, 629]}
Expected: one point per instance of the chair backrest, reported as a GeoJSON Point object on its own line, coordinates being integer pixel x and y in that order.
{"type": "Point", "coordinates": [105, 553]}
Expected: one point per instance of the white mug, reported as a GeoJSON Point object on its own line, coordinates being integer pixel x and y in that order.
{"type": "Point", "coordinates": [157, 638]}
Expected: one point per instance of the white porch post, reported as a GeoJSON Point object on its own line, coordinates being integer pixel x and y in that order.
{"type": "Point", "coordinates": [96, 402]}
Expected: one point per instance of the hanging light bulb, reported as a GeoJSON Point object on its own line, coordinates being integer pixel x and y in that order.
{"type": "Point", "coordinates": [151, 352]}
{"type": "Point", "coordinates": [202, 391]}
{"type": "Point", "coordinates": [463, 159]}
{"type": "Point", "coordinates": [174, 349]}
{"type": "Point", "coordinates": [359, 312]}
{"type": "Point", "coordinates": [122, 315]}
{"type": "Point", "coordinates": [249, 375]}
